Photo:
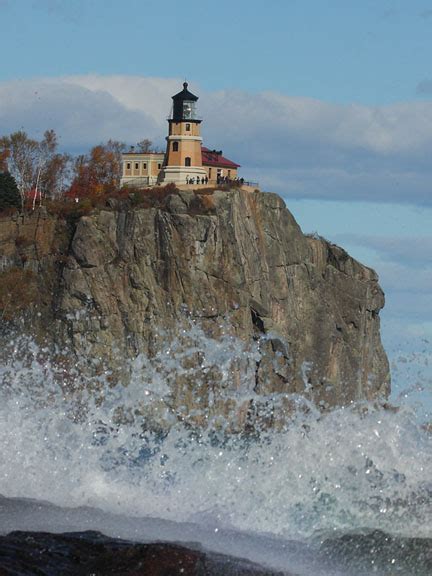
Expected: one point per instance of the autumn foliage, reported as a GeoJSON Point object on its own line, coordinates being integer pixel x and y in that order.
{"type": "Point", "coordinates": [99, 172]}
{"type": "Point", "coordinates": [46, 177]}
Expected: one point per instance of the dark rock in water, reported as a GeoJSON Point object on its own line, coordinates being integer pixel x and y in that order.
{"type": "Point", "coordinates": [380, 553]}
{"type": "Point", "coordinates": [93, 554]}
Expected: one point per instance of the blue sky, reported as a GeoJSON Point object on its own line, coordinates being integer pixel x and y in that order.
{"type": "Point", "coordinates": [341, 50]}
{"type": "Point", "coordinates": [328, 103]}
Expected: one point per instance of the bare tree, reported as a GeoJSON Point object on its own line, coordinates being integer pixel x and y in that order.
{"type": "Point", "coordinates": [36, 166]}
{"type": "Point", "coordinates": [53, 168]}
{"type": "Point", "coordinates": [57, 175]}
{"type": "Point", "coordinates": [145, 146]}
{"type": "Point", "coordinates": [22, 158]}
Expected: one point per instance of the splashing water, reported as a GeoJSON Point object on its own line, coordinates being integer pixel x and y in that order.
{"type": "Point", "coordinates": [75, 440]}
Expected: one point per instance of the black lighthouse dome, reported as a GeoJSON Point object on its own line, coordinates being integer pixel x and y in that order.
{"type": "Point", "coordinates": [184, 108]}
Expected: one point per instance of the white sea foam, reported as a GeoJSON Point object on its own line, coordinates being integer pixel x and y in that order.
{"type": "Point", "coordinates": [76, 445]}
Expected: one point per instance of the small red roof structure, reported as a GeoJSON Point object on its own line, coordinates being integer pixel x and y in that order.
{"type": "Point", "coordinates": [215, 158]}
{"type": "Point", "coordinates": [33, 194]}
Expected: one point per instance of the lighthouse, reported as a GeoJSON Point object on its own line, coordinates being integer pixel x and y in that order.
{"type": "Point", "coordinates": [183, 156]}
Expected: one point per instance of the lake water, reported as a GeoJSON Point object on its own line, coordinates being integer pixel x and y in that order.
{"type": "Point", "coordinates": [348, 492]}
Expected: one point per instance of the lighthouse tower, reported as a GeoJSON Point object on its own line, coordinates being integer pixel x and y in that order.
{"type": "Point", "coordinates": [183, 159]}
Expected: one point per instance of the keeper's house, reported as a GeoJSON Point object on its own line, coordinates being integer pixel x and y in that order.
{"type": "Point", "coordinates": [185, 160]}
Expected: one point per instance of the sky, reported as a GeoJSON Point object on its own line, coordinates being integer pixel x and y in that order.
{"type": "Point", "coordinates": [328, 103]}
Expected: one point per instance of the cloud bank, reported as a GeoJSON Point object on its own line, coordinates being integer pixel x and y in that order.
{"type": "Point", "coordinates": [299, 147]}
{"type": "Point", "coordinates": [411, 251]}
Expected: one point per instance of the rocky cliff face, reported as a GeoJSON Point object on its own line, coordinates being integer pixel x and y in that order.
{"type": "Point", "coordinates": [233, 261]}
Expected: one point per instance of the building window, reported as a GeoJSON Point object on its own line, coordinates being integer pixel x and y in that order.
{"type": "Point", "coordinates": [128, 166]}
{"type": "Point", "coordinates": [187, 127]}
{"type": "Point", "coordinates": [144, 166]}
{"type": "Point", "coordinates": [175, 146]}
{"type": "Point", "coordinates": [159, 166]}
{"type": "Point", "coordinates": [187, 161]}
{"type": "Point", "coordinates": [209, 173]}
{"type": "Point", "coordinates": [136, 166]}
{"type": "Point", "coordinates": [229, 173]}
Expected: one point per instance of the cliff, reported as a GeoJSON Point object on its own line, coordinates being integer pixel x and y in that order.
{"type": "Point", "coordinates": [107, 283]}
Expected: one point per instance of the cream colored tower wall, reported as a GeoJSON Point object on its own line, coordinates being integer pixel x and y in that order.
{"type": "Point", "coordinates": [186, 149]}
{"type": "Point", "coordinates": [184, 129]}
{"type": "Point", "coordinates": [186, 161]}
{"type": "Point", "coordinates": [187, 136]}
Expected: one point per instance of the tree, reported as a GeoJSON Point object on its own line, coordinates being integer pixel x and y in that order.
{"type": "Point", "coordinates": [145, 146]}
{"type": "Point", "coordinates": [3, 160]}
{"type": "Point", "coordinates": [9, 193]}
{"type": "Point", "coordinates": [57, 175]}
{"type": "Point", "coordinates": [53, 168]}
{"type": "Point", "coordinates": [37, 167]}
{"type": "Point", "coordinates": [21, 159]}
{"type": "Point", "coordinates": [98, 172]}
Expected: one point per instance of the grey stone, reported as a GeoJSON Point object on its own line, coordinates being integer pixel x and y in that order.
{"type": "Point", "coordinates": [232, 256]}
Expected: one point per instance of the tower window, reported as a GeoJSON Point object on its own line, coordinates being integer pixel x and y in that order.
{"type": "Point", "coordinates": [175, 147]}
{"type": "Point", "coordinates": [187, 127]}
{"type": "Point", "coordinates": [187, 161]}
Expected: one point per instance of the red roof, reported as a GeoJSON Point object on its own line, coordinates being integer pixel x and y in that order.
{"type": "Point", "coordinates": [215, 158]}
{"type": "Point", "coordinates": [32, 194]}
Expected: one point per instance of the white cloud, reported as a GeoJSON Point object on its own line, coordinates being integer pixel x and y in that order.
{"type": "Point", "coordinates": [146, 94]}
{"type": "Point", "coordinates": [298, 146]}
{"type": "Point", "coordinates": [399, 128]}
{"type": "Point", "coordinates": [82, 117]}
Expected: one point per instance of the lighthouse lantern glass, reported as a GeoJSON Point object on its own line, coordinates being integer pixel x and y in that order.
{"type": "Point", "coordinates": [188, 109]}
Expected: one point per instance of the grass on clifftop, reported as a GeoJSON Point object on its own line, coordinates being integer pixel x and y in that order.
{"type": "Point", "coordinates": [155, 197]}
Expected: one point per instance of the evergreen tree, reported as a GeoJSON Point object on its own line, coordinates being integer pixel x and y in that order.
{"type": "Point", "coordinates": [9, 193]}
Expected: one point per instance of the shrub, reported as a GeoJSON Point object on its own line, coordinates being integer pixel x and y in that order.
{"type": "Point", "coordinates": [70, 211]}
{"type": "Point", "coordinates": [154, 197]}
{"type": "Point", "coordinates": [208, 203]}
{"type": "Point", "coordinates": [206, 191]}
{"type": "Point", "coordinates": [202, 204]}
